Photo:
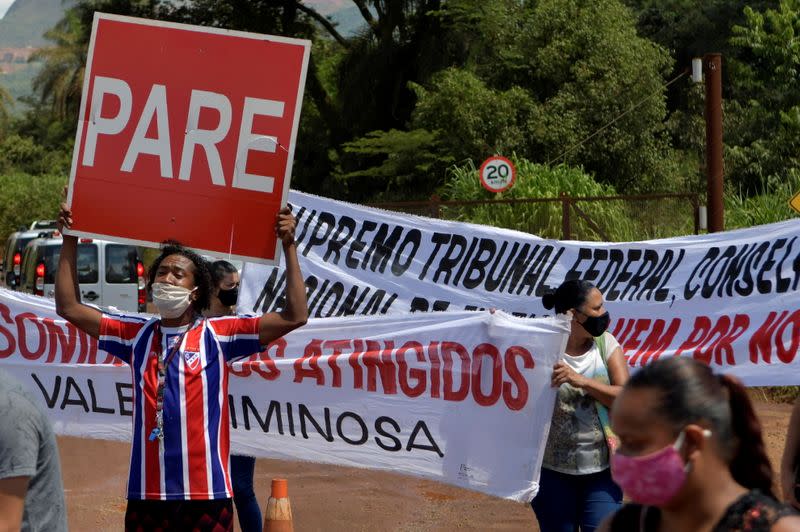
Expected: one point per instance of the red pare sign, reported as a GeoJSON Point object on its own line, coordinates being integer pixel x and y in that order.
{"type": "Point", "coordinates": [186, 133]}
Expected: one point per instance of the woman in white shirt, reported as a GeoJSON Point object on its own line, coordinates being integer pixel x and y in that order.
{"type": "Point", "coordinates": [576, 491]}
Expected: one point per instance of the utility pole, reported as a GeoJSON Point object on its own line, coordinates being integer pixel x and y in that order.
{"type": "Point", "coordinates": [712, 69]}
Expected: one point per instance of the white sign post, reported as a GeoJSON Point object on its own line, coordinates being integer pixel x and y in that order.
{"type": "Point", "coordinates": [497, 174]}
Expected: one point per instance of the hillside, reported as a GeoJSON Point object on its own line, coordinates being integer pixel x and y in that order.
{"type": "Point", "coordinates": [348, 20]}
{"type": "Point", "coordinates": [21, 32]}
{"type": "Point", "coordinates": [26, 21]}
{"type": "Point", "coordinates": [344, 14]}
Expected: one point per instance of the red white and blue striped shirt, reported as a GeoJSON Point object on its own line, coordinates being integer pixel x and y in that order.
{"type": "Point", "coordinates": [192, 460]}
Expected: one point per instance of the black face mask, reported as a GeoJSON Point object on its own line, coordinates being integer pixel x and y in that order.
{"type": "Point", "coordinates": [596, 325]}
{"type": "Point", "coordinates": [228, 297]}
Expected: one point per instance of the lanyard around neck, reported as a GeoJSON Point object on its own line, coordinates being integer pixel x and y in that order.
{"type": "Point", "coordinates": [163, 366]}
{"type": "Point", "coordinates": [164, 360]}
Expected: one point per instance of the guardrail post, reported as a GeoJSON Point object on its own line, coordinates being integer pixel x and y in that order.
{"type": "Point", "coordinates": [696, 213]}
{"type": "Point", "coordinates": [434, 206]}
{"type": "Point", "coordinates": [566, 232]}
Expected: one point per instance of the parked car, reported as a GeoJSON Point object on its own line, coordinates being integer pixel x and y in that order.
{"type": "Point", "coordinates": [110, 274]}
{"type": "Point", "coordinates": [12, 255]}
{"type": "Point", "coordinates": [43, 224]}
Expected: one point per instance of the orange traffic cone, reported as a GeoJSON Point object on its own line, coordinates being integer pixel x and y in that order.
{"type": "Point", "coordinates": [279, 511]}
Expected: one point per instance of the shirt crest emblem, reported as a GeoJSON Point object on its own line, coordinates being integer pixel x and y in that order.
{"type": "Point", "coordinates": [192, 359]}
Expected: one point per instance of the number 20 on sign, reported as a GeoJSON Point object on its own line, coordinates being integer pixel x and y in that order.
{"type": "Point", "coordinates": [497, 174]}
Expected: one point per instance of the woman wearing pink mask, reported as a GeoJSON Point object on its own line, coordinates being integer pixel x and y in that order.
{"type": "Point", "coordinates": [691, 455]}
{"type": "Point", "coordinates": [575, 487]}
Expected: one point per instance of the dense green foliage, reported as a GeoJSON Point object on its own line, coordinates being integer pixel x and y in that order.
{"type": "Point", "coordinates": [542, 219]}
{"type": "Point", "coordinates": [534, 77]}
{"type": "Point", "coordinates": [6, 103]}
{"type": "Point", "coordinates": [758, 40]}
{"type": "Point", "coordinates": [765, 145]}
{"type": "Point", "coordinates": [772, 205]}
{"type": "Point", "coordinates": [608, 220]}
{"type": "Point", "coordinates": [28, 197]}
{"type": "Point", "coordinates": [26, 21]}
{"type": "Point", "coordinates": [538, 78]}
{"type": "Point", "coordinates": [590, 95]}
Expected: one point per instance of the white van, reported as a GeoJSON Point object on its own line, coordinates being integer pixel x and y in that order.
{"type": "Point", "coordinates": [110, 274]}
{"type": "Point", "coordinates": [44, 225]}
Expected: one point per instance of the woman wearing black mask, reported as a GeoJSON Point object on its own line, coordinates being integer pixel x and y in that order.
{"type": "Point", "coordinates": [576, 491]}
{"type": "Point", "coordinates": [223, 303]}
{"type": "Point", "coordinates": [226, 289]}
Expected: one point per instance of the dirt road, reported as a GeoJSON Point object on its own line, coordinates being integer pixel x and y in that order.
{"type": "Point", "coordinates": [327, 498]}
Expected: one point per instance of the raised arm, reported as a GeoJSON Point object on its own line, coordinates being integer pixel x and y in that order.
{"type": "Point", "coordinates": [68, 299]}
{"type": "Point", "coordinates": [273, 325]}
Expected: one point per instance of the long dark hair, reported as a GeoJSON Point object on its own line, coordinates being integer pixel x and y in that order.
{"type": "Point", "coordinates": [218, 270]}
{"type": "Point", "coordinates": [570, 294]}
{"type": "Point", "coordinates": [690, 392]}
{"type": "Point", "coordinates": [202, 274]}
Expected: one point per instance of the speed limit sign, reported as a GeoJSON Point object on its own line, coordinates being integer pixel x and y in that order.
{"type": "Point", "coordinates": [497, 174]}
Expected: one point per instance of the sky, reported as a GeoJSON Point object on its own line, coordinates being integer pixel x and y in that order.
{"type": "Point", "coordinates": [4, 5]}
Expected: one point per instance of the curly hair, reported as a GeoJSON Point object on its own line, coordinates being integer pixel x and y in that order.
{"type": "Point", "coordinates": [202, 273]}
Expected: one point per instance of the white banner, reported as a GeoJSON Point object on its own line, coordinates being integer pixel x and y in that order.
{"type": "Point", "coordinates": [729, 299]}
{"type": "Point", "coordinates": [458, 397]}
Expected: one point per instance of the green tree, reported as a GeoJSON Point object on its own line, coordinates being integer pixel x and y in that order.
{"type": "Point", "coordinates": [542, 78]}
{"type": "Point", "coordinates": [542, 219]}
{"type": "Point", "coordinates": [355, 84]}
{"type": "Point", "coordinates": [588, 67]}
{"type": "Point", "coordinates": [558, 71]}
{"type": "Point", "coordinates": [60, 80]}
{"type": "Point", "coordinates": [768, 207]}
{"type": "Point", "coordinates": [688, 28]}
{"type": "Point", "coordinates": [25, 155]}
{"type": "Point", "coordinates": [440, 80]}
{"type": "Point", "coordinates": [28, 197]}
{"type": "Point", "coordinates": [398, 159]}
{"type": "Point", "coordinates": [691, 29]}
{"type": "Point", "coordinates": [763, 137]}
{"type": "Point", "coordinates": [458, 118]}
{"type": "Point", "coordinates": [6, 103]}
{"type": "Point", "coordinates": [474, 120]}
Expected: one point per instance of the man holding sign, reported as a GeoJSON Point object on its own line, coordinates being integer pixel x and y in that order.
{"type": "Point", "coordinates": [179, 124]}
{"type": "Point", "coordinates": [179, 460]}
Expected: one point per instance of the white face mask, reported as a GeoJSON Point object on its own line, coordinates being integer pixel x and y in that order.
{"type": "Point", "coordinates": [170, 300]}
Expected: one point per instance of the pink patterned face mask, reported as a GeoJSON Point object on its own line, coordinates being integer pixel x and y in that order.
{"type": "Point", "coordinates": [653, 479]}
